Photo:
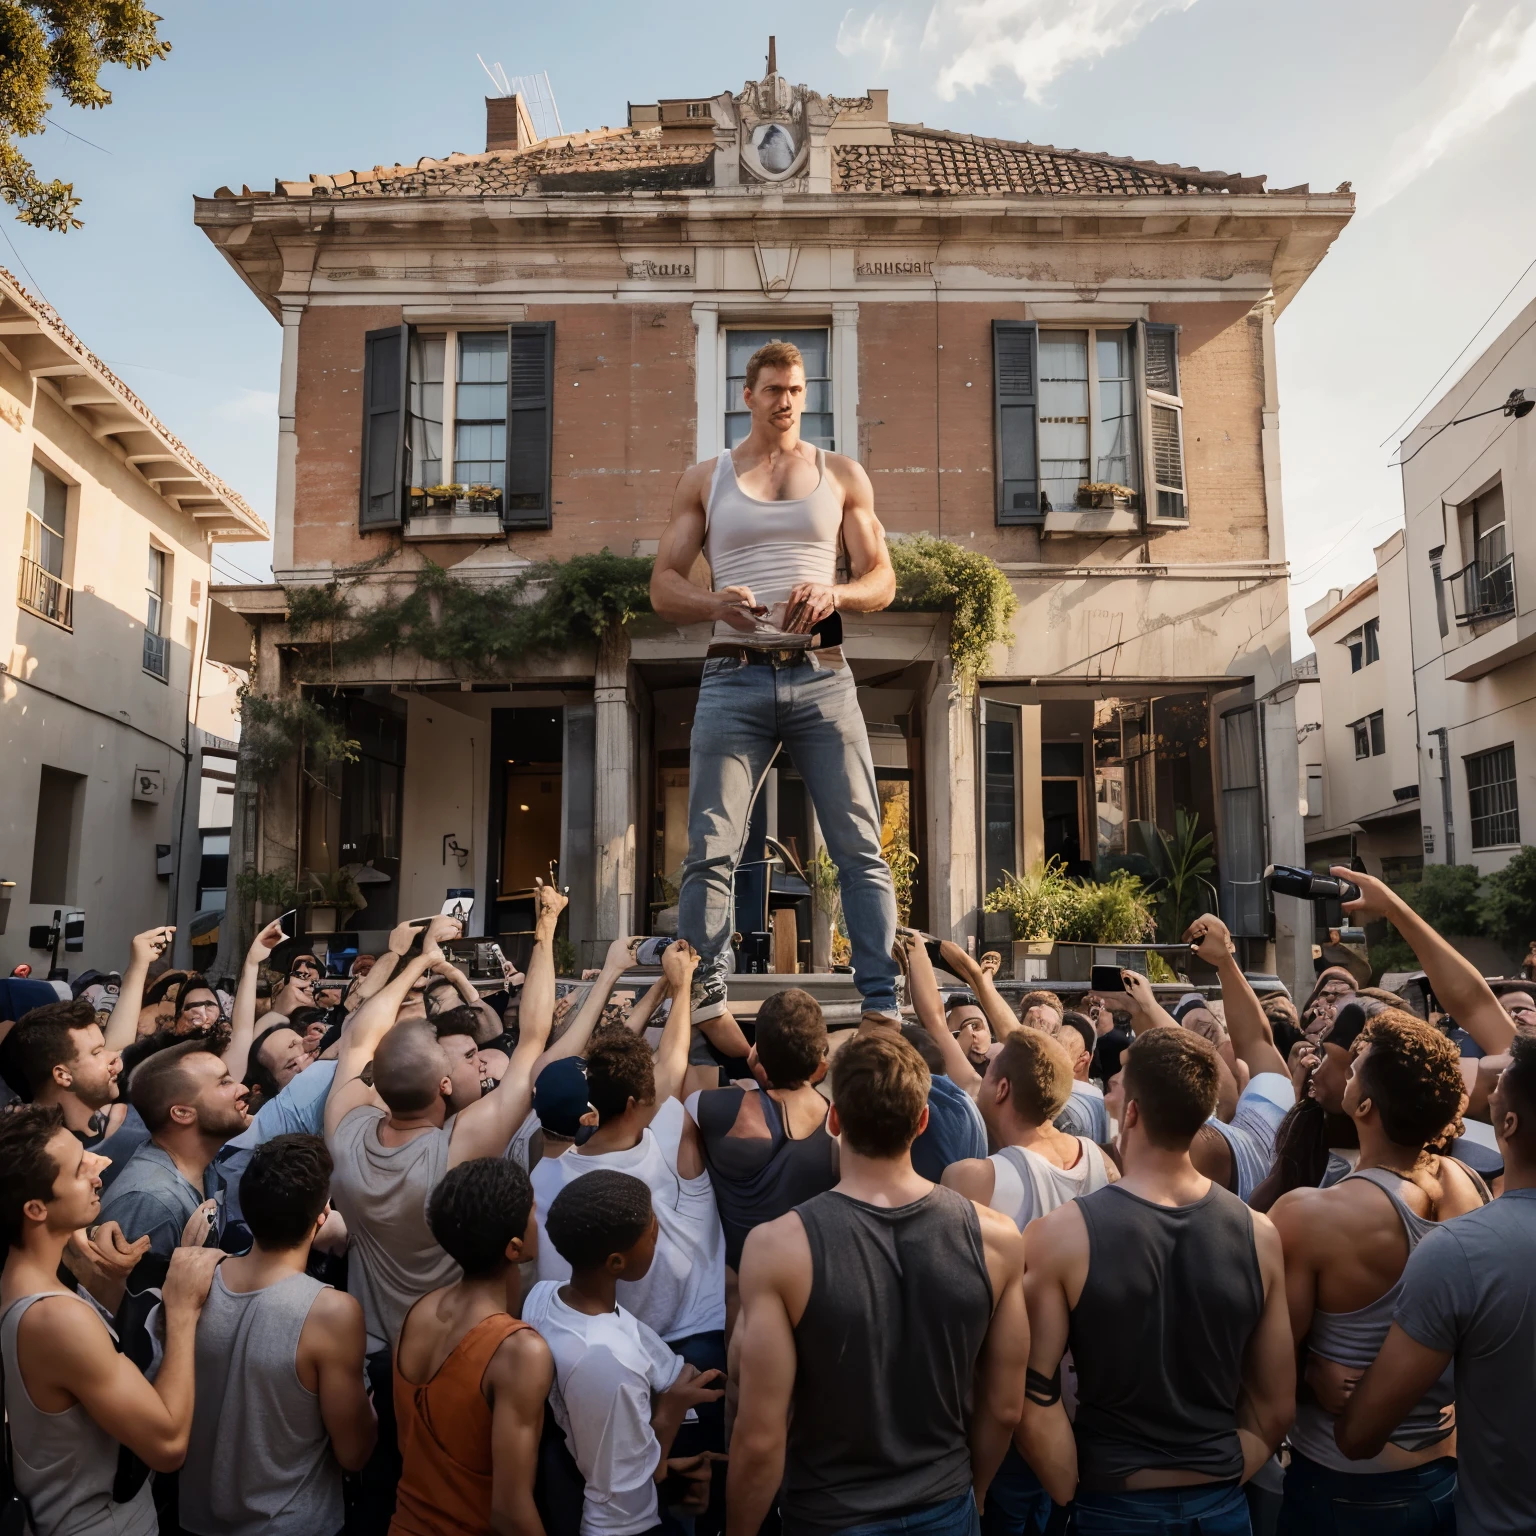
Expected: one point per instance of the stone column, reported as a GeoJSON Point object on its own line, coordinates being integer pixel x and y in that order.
{"type": "Point", "coordinates": [845, 378]}
{"type": "Point", "coordinates": [287, 440]}
{"type": "Point", "coordinates": [709, 427]}
{"type": "Point", "coordinates": [949, 760]}
{"type": "Point", "coordinates": [613, 789]}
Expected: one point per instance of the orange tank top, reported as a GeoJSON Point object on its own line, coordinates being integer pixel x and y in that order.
{"type": "Point", "coordinates": [445, 1439]}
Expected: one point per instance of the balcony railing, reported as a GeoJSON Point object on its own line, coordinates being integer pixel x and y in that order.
{"type": "Point", "coordinates": [43, 593]}
{"type": "Point", "coordinates": [1484, 590]}
{"type": "Point", "coordinates": [156, 656]}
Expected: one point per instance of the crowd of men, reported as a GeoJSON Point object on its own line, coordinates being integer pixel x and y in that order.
{"type": "Point", "coordinates": [379, 1254]}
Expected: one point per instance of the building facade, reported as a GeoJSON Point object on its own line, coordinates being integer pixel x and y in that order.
{"type": "Point", "coordinates": [1469, 500]}
{"type": "Point", "coordinates": [109, 522]}
{"type": "Point", "coordinates": [1059, 360]}
{"type": "Point", "coordinates": [1361, 765]}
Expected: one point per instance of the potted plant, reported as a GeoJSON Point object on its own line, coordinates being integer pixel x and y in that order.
{"type": "Point", "coordinates": [330, 897]}
{"type": "Point", "coordinates": [484, 498]}
{"type": "Point", "coordinates": [443, 498]}
{"type": "Point", "coordinates": [1105, 494]}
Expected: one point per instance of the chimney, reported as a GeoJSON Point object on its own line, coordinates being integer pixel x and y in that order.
{"type": "Point", "coordinates": [507, 123]}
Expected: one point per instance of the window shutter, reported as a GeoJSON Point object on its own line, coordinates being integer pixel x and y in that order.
{"type": "Point", "coordinates": [1166, 499]}
{"type": "Point", "coordinates": [386, 356]}
{"type": "Point", "coordinates": [1015, 392]}
{"type": "Point", "coordinates": [530, 420]}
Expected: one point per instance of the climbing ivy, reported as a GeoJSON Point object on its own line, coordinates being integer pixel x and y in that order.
{"type": "Point", "coordinates": [935, 574]}
{"type": "Point", "coordinates": [274, 729]}
{"type": "Point", "coordinates": [480, 627]}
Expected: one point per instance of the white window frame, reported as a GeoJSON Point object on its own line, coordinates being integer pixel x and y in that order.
{"type": "Point", "coordinates": [1134, 342]}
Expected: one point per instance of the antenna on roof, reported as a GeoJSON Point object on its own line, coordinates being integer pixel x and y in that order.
{"type": "Point", "coordinates": [539, 97]}
{"type": "Point", "coordinates": [497, 76]}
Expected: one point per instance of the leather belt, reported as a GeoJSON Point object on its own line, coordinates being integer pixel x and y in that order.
{"type": "Point", "coordinates": [760, 655]}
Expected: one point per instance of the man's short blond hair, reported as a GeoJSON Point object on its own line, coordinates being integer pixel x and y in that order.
{"type": "Point", "coordinates": [777, 354]}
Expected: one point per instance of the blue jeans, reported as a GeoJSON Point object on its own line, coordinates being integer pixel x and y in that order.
{"type": "Point", "coordinates": [1210, 1509]}
{"type": "Point", "coordinates": [1016, 1503]}
{"type": "Point", "coordinates": [746, 711]}
{"type": "Point", "coordinates": [954, 1517]}
{"type": "Point", "coordinates": [1320, 1502]}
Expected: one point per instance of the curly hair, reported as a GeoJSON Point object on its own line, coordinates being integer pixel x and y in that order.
{"type": "Point", "coordinates": [619, 1068]}
{"type": "Point", "coordinates": [600, 1213]}
{"type": "Point", "coordinates": [477, 1210]}
{"type": "Point", "coordinates": [1412, 1075]}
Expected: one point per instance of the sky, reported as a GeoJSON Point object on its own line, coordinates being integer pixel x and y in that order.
{"type": "Point", "coordinates": [1423, 105]}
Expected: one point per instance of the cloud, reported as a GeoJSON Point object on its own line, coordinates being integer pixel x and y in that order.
{"type": "Point", "coordinates": [1035, 40]}
{"type": "Point", "coordinates": [1490, 62]}
{"type": "Point", "coordinates": [881, 35]}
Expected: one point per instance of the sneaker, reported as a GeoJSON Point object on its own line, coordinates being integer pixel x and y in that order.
{"type": "Point", "coordinates": [707, 1000]}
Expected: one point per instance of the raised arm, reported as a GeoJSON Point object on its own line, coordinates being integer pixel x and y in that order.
{"type": "Point", "coordinates": [243, 1015]}
{"type": "Point", "coordinates": [923, 992]}
{"type": "Point", "coordinates": [490, 1026]}
{"type": "Point", "coordinates": [578, 1033]}
{"type": "Point", "coordinates": [1142, 1004]}
{"type": "Point", "coordinates": [674, 596]}
{"type": "Point", "coordinates": [1457, 983]}
{"type": "Point", "coordinates": [678, 963]}
{"type": "Point", "coordinates": [361, 1034]}
{"type": "Point", "coordinates": [1247, 1023]}
{"type": "Point", "coordinates": [1000, 1017]}
{"type": "Point", "coordinates": [147, 947]}
{"type": "Point", "coordinates": [1267, 1402]}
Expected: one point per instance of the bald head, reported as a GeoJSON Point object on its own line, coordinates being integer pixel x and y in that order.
{"type": "Point", "coordinates": [409, 1067]}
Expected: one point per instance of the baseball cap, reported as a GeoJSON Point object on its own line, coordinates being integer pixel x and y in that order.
{"type": "Point", "coordinates": [560, 1096]}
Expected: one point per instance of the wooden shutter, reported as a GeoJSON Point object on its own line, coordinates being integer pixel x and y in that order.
{"type": "Point", "coordinates": [530, 421]}
{"type": "Point", "coordinates": [1166, 500]}
{"type": "Point", "coordinates": [1015, 393]}
{"type": "Point", "coordinates": [386, 357]}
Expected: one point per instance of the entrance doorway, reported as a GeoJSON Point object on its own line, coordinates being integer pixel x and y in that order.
{"type": "Point", "coordinates": [527, 815]}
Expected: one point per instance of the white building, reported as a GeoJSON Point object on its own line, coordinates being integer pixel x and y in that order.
{"type": "Point", "coordinates": [1469, 496]}
{"type": "Point", "coordinates": [109, 521]}
{"type": "Point", "coordinates": [1360, 766]}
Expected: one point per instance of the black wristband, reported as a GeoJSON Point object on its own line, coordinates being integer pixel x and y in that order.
{"type": "Point", "coordinates": [1044, 1391]}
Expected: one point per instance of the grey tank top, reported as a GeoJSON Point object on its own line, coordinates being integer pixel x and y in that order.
{"type": "Point", "coordinates": [1158, 1341]}
{"type": "Point", "coordinates": [259, 1459]}
{"type": "Point", "coordinates": [1353, 1339]}
{"type": "Point", "coordinates": [66, 1462]}
{"type": "Point", "coordinates": [770, 546]}
{"type": "Point", "coordinates": [900, 1304]}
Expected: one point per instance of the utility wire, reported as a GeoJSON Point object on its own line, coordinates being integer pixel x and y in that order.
{"type": "Point", "coordinates": [37, 287]}
{"type": "Point", "coordinates": [53, 123]}
{"type": "Point", "coordinates": [1478, 332]}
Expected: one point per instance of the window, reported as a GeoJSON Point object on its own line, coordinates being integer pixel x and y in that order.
{"type": "Point", "coordinates": [816, 425]}
{"type": "Point", "coordinates": [213, 871]}
{"type": "Point", "coordinates": [1370, 735]}
{"type": "Point", "coordinates": [1066, 416]}
{"type": "Point", "coordinates": [1245, 850]}
{"type": "Point", "coordinates": [469, 409]}
{"type": "Point", "coordinates": [1001, 791]}
{"type": "Point", "coordinates": [41, 586]}
{"type": "Point", "coordinates": [1491, 798]}
{"type": "Point", "coordinates": [1314, 801]}
{"type": "Point", "coordinates": [1484, 588]}
{"type": "Point", "coordinates": [156, 648]}
{"type": "Point", "coordinates": [1364, 645]}
{"type": "Point", "coordinates": [698, 109]}
{"type": "Point", "coordinates": [56, 835]}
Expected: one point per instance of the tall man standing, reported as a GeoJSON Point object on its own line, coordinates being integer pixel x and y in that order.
{"type": "Point", "coordinates": [769, 517]}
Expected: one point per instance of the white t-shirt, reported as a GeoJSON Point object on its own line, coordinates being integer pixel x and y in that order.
{"type": "Point", "coordinates": [1025, 1185]}
{"type": "Point", "coordinates": [1251, 1135]}
{"type": "Point", "coordinates": [606, 1370]}
{"type": "Point", "coordinates": [684, 1292]}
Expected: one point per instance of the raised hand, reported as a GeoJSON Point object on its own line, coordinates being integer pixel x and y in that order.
{"type": "Point", "coordinates": [1209, 938]}
{"type": "Point", "coordinates": [678, 963]}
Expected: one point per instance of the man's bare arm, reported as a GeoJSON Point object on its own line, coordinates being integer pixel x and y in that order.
{"type": "Point", "coordinates": [765, 1339]}
{"type": "Point", "coordinates": [1457, 983]}
{"type": "Point", "coordinates": [923, 989]}
{"type": "Point", "coordinates": [123, 1027]}
{"type": "Point", "coordinates": [518, 1380]}
{"type": "Point", "coordinates": [334, 1332]}
{"type": "Point", "coordinates": [1267, 1402]}
{"type": "Point", "coordinates": [869, 559]}
{"type": "Point", "coordinates": [675, 597]}
{"type": "Point", "coordinates": [1252, 1038]}
{"type": "Point", "coordinates": [998, 1397]}
{"type": "Point", "coordinates": [1142, 1004]}
{"type": "Point", "coordinates": [678, 962]}
{"type": "Point", "coordinates": [237, 1053]}
{"type": "Point", "coordinates": [1001, 1019]}
{"type": "Point", "coordinates": [1044, 1436]}
{"type": "Point", "coordinates": [1402, 1372]}
{"type": "Point", "coordinates": [621, 954]}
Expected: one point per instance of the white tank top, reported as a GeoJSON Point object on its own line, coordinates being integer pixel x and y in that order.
{"type": "Point", "coordinates": [1025, 1185]}
{"type": "Point", "coordinates": [769, 546]}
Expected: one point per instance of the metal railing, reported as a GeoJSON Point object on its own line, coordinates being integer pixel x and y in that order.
{"type": "Point", "coordinates": [157, 652]}
{"type": "Point", "coordinates": [1483, 589]}
{"type": "Point", "coordinates": [41, 592]}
